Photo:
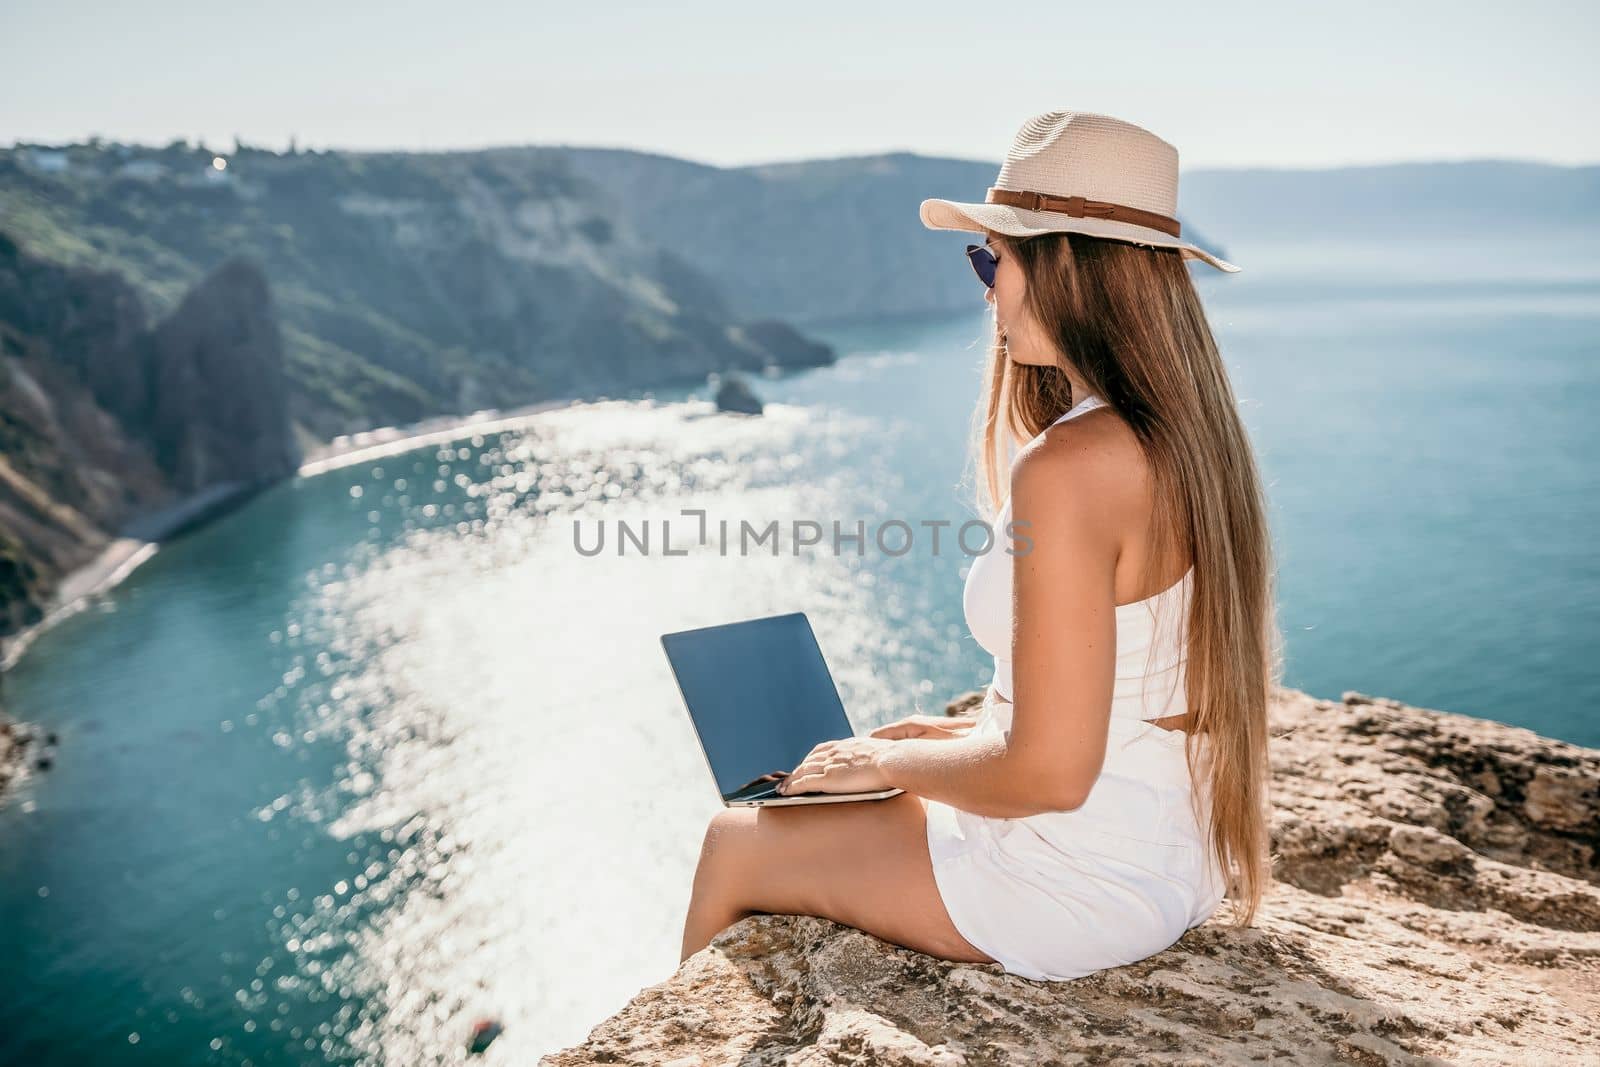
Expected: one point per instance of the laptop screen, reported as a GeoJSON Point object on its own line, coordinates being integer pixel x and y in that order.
{"type": "Point", "coordinates": [760, 696]}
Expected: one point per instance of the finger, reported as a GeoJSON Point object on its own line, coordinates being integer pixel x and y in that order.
{"type": "Point", "coordinates": [802, 773]}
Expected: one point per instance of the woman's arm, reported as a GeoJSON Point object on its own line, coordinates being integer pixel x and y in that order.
{"type": "Point", "coordinates": [973, 773]}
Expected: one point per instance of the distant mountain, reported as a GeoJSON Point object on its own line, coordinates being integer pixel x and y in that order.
{"type": "Point", "coordinates": [809, 241]}
{"type": "Point", "coordinates": [1397, 201]}
{"type": "Point", "coordinates": [409, 285]}
{"type": "Point", "coordinates": [841, 238]}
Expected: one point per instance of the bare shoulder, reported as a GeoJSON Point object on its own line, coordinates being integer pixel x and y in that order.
{"type": "Point", "coordinates": [1092, 459]}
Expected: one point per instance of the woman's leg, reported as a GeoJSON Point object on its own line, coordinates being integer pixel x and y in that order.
{"type": "Point", "coordinates": [863, 863]}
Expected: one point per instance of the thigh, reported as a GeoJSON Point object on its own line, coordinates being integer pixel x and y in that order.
{"type": "Point", "coordinates": [862, 863]}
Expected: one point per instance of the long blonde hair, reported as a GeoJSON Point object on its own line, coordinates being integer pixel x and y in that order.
{"type": "Point", "coordinates": [1130, 322]}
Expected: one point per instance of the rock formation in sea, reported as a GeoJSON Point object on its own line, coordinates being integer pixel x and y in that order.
{"type": "Point", "coordinates": [734, 394]}
{"type": "Point", "coordinates": [1437, 901]}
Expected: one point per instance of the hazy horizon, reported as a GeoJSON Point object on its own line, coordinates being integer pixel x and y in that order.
{"type": "Point", "coordinates": [231, 146]}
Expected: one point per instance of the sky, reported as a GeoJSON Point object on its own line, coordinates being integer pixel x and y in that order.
{"type": "Point", "coordinates": [1230, 84]}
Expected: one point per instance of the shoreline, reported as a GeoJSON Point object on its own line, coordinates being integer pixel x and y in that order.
{"type": "Point", "coordinates": [141, 538]}
{"type": "Point", "coordinates": [347, 450]}
{"type": "Point", "coordinates": [121, 556]}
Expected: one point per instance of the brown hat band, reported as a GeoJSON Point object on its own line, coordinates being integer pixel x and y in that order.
{"type": "Point", "coordinates": [1079, 208]}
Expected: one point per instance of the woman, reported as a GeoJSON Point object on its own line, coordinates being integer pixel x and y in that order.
{"type": "Point", "coordinates": [1113, 788]}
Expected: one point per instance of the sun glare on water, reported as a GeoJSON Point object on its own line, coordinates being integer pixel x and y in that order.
{"type": "Point", "coordinates": [518, 789]}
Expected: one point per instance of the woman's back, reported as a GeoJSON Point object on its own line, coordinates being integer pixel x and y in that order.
{"type": "Point", "coordinates": [1149, 680]}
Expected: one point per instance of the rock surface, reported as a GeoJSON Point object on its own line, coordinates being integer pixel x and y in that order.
{"type": "Point", "coordinates": [1438, 901]}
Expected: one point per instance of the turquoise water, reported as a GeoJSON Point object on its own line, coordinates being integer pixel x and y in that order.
{"type": "Point", "coordinates": [381, 752]}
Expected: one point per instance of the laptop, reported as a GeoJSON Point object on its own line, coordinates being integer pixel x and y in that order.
{"type": "Point", "coordinates": [760, 697]}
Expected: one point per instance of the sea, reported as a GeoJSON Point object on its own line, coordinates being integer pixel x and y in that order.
{"type": "Point", "coordinates": [392, 748]}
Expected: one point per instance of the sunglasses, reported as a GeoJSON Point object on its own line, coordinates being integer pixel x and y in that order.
{"type": "Point", "coordinates": [984, 261]}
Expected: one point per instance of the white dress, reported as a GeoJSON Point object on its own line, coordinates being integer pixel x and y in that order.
{"type": "Point", "coordinates": [1060, 895]}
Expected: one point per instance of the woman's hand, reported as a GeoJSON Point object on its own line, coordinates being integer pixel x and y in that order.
{"type": "Point", "coordinates": [936, 727]}
{"type": "Point", "coordinates": [848, 765]}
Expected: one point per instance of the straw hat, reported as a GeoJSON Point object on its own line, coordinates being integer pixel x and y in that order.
{"type": "Point", "coordinates": [1085, 173]}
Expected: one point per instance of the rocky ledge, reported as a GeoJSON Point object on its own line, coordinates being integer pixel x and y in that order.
{"type": "Point", "coordinates": [1438, 901]}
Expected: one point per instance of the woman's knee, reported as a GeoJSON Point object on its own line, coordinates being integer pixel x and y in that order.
{"type": "Point", "coordinates": [720, 843]}
{"type": "Point", "coordinates": [725, 825]}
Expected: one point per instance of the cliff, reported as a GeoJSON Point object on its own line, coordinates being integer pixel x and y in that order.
{"type": "Point", "coordinates": [1438, 901]}
{"type": "Point", "coordinates": [107, 417]}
